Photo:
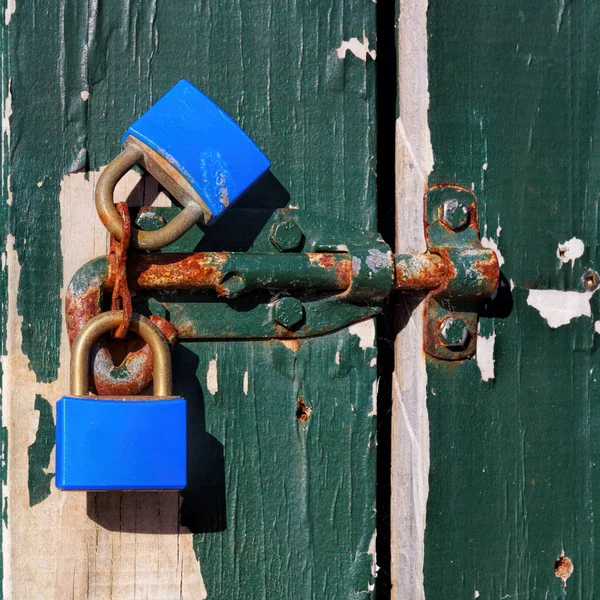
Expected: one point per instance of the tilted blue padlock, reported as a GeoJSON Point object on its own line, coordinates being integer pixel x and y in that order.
{"type": "Point", "coordinates": [135, 443]}
{"type": "Point", "coordinates": [196, 151]}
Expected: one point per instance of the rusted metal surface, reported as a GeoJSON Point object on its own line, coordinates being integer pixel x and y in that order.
{"type": "Point", "coordinates": [133, 374]}
{"type": "Point", "coordinates": [121, 296]}
{"type": "Point", "coordinates": [489, 273]}
{"type": "Point", "coordinates": [208, 270]}
{"type": "Point", "coordinates": [84, 300]}
{"type": "Point", "coordinates": [103, 323]}
{"type": "Point", "coordinates": [158, 271]}
{"type": "Point", "coordinates": [211, 270]}
{"type": "Point", "coordinates": [472, 272]}
{"type": "Point", "coordinates": [421, 272]}
{"type": "Point", "coordinates": [433, 325]}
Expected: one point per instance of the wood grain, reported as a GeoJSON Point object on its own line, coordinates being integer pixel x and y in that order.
{"type": "Point", "coordinates": [410, 426]}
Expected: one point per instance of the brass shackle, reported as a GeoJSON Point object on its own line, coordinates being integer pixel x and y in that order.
{"type": "Point", "coordinates": [104, 322]}
{"type": "Point", "coordinates": [136, 152]}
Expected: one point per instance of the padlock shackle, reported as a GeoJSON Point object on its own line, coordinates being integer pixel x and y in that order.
{"type": "Point", "coordinates": [104, 322]}
{"type": "Point", "coordinates": [136, 152]}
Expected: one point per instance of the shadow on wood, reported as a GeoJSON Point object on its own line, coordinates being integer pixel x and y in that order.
{"type": "Point", "coordinates": [200, 507]}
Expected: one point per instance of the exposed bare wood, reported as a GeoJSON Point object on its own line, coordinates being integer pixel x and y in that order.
{"type": "Point", "coordinates": [73, 544]}
{"type": "Point", "coordinates": [410, 429]}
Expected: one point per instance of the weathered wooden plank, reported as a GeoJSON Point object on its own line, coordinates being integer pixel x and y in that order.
{"type": "Point", "coordinates": [277, 507]}
{"type": "Point", "coordinates": [514, 444]}
{"type": "Point", "coordinates": [410, 426]}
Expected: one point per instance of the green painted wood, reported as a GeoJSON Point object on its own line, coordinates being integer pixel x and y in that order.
{"type": "Point", "coordinates": [281, 507]}
{"type": "Point", "coordinates": [513, 113]}
{"type": "Point", "coordinates": [4, 229]}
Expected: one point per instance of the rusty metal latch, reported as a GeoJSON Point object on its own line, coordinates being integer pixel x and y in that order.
{"type": "Point", "coordinates": [305, 275]}
{"type": "Point", "coordinates": [298, 274]}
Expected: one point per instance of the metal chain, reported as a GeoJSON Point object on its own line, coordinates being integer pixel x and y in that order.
{"type": "Point", "coordinates": [121, 296]}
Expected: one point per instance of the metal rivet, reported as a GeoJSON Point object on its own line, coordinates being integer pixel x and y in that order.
{"type": "Point", "coordinates": [454, 333]}
{"type": "Point", "coordinates": [288, 312]}
{"type": "Point", "coordinates": [455, 214]}
{"type": "Point", "coordinates": [286, 235]}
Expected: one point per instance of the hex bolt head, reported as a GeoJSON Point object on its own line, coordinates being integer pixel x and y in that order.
{"type": "Point", "coordinates": [454, 333]}
{"type": "Point", "coordinates": [288, 312]}
{"type": "Point", "coordinates": [286, 235]}
{"type": "Point", "coordinates": [455, 214]}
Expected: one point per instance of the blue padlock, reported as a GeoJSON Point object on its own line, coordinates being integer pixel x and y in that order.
{"type": "Point", "coordinates": [136, 443]}
{"type": "Point", "coordinates": [196, 151]}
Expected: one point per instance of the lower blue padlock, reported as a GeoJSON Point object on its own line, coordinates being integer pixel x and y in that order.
{"type": "Point", "coordinates": [136, 443]}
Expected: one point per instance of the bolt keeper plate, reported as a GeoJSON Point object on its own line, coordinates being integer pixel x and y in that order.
{"type": "Point", "coordinates": [452, 229]}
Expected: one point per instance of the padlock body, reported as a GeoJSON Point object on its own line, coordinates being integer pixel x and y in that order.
{"type": "Point", "coordinates": [120, 444]}
{"type": "Point", "coordinates": [203, 143]}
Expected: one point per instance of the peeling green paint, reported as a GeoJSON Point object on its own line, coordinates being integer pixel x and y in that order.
{"type": "Point", "coordinates": [298, 503]}
{"type": "Point", "coordinates": [39, 452]}
{"type": "Point", "coordinates": [4, 230]}
{"type": "Point", "coordinates": [294, 489]}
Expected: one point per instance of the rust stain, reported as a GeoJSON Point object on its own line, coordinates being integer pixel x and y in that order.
{"type": "Point", "coordinates": [343, 271]}
{"type": "Point", "coordinates": [563, 567]}
{"type": "Point", "coordinates": [490, 273]}
{"type": "Point", "coordinates": [303, 412]}
{"type": "Point", "coordinates": [432, 273]}
{"type": "Point", "coordinates": [124, 368]}
{"type": "Point", "coordinates": [338, 261]}
{"type": "Point", "coordinates": [80, 308]}
{"type": "Point", "coordinates": [472, 208]}
{"type": "Point", "coordinates": [326, 260]}
{"type": "Point", "coordinates": [290, 344]}
{"type": "Point", "coordinates": [202, 270]}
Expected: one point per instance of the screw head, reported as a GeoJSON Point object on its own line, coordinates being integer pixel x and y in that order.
{"type": "Point", "coordinates": [286, 235]}
{"type": "Point", "coordinates": [455, 214]}
{"type": "Point", "coordinates": [454, 333]}
{"type": "Point", "coordinates": [288, 312]}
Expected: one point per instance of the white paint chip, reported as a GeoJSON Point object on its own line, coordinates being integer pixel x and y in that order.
{"type": "Point", "coordinates": [212, 383]}
{"type": "Point", "coordinates": [559, 307]}
{"type": "Point", "coordinates": [485, 356]}
{"type": "Point", "coordinates": [597, 330]}
{"type": "Point", "coordinates": [337, 357]}
{"type": "Point", "coordinates": [358, 48]}
{"type": "Point", "coordinates": [373, 552]}
{"type": "Point", "coordinates": [487, 242]}
{"type": "Point", "coordinates": [570, 250]}
{"type": "Point", "coordinates": [373, 411]}
{"type": "Point", "coordinates": [84, 95]}
{"type": "Point", "coordinates": [7, 112]}
{"type": "Point", "coordinates": [365, 330]}
{"type": "Point", "coordinates": [245, 383]}
{"type": "Point", "coordinates": [9, 11]}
